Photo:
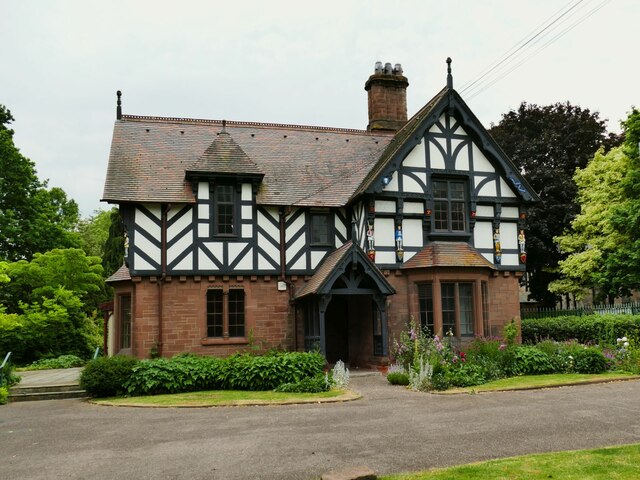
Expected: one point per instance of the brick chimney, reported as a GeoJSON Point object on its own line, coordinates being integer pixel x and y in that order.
{"type": "Point", "coordinates": [387, 89]}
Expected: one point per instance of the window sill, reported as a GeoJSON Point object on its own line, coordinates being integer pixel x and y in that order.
{"type": "Point", "coordinates": [224, 341]}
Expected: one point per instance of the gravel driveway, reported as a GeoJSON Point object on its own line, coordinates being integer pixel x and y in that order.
{"type": "Point", "coordinates": [389, 430]}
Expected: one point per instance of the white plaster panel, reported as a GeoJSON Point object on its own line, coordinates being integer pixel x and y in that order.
{"type": "Point", "coordinates": [234, 249]}
{"type": "Point", "coordinates": [410, 185]}
{"type": "Point", "coordinates": [407, 256]}
{"type": "Point", "coordinates": [176, 210]}
{"type": "Point", "coordinates": [483, 235]}
{"type": "Point", "coordinates": [412, 232]}
{"type": "Point", "coordinates": [484, 211]}
{"type": "Point", "coordinates": [247, 212]}
{"type": "Point", "coordinates": [413, 207]}
{"type": "Point", "coordinates": [435, 156]}
{"type": "Point", "coordinates": [416, 157]}
{"type": "Point", "coordinates": [505, 189]}
{"type": "Point", "coordinates": [340, 227]}
{"type": "Point", "coordinates": [291, 230]}
{"type": "Point", "coordinates": [509, 235]}
{"type": "Point", "coordinates": [273, 212]}
{"type": "Point", "coordinates": [393, 184]}
{"type": "Point", "coordinates": [247, 262]}
{"type": "Point", "coordinates": [510, 259]}
{"type": "Point", "coordinates": [459, 131]}
{"type": "Point", "coordinates": [263, 264]}
{"type": "Point", "coordinates": [185, 264]}
{"type": "Point", "coordinates": [216, 249]}
{"type": "Point", "coordinates": [203, 190]}
{"type": "Point", "coordinates": [203, 211]}
{"type": "Point", "coordinates": [300, 264]}
{"type": "Point", "coordinates": [203, 230]}
{"type": "Point", "coordinates": [385, 206]}
{"type": "Point", "coordinates": [180, 224]}
{"type": "Point", "coordinates": [435, 128]}
{"type": "Point", "coordinates": [488, 256]}
{"type": "Point", "coordinates": [480, 162]}
{"type": "Point", "coordinates": [272, 251]}
{"type": "Point", "coordinates": [509, 212]}
{"type": "Point", "coordinates": [141, 264]}
{"type": "Point", "coordinates": [246, 192]}
{"type": "Point", "coordinates": [272, 230]}
{"type": "Point", "coordinates": [204, 262]}
{"type": "Point", "coordinates": [316, 258]}
{"type": "Point", "coordinates": [462, 158]}
{"type": "Point", "coordinates": [296, 246]}
{"type": "Point", "coordinates": [146, 224]}
{"type": "Point", "coordinates": [488, 189]}
{"type": "Point", "coordinates": [384, 232]}
{"type": "Point", "coordinates": [148, 248]}
{"type": "Point", "coordinates": [385, 257]}
{"type": "Point", "coordinates": [247, 230]}
{"type": "Point", "coordinates": [180, 246]}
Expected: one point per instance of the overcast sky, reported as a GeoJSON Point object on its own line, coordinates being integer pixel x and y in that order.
{"type": "Point", "coordinates": [292, 62]}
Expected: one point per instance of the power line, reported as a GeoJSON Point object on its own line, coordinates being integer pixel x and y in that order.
{"type": "Point", "coordinates": [548, 27]}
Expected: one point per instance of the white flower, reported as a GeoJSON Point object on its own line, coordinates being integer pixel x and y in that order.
{"type": "Point", "coordinates": [624, 339]}
{"type": "Point", "coordinates": [618, 340]}
{"type": "Point", "coordinates": [625, 344]}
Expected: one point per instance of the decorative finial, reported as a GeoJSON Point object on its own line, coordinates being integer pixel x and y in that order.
{"type": "Point", "coordinates": [449, 76]}
{"type": "Point", "coordinates": [119, 106]}
{"type": "Point", "coordinates": [224, 126]}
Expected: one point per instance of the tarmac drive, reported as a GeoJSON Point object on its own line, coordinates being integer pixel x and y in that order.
{"type": "Point", "coordinates": [389, 430]}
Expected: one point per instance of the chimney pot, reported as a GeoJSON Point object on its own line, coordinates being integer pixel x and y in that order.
{"type": "Point", "coordinates": [387, 94]}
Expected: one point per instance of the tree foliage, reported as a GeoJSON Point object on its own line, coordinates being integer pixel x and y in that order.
{"type": "Point", "coordinates": [114, 250]}
{"type": "Point", "coordinates": [70, 269]}
{"type": "Point", "coordinates": [94, 232]}
{"type": "Point", "coordinates": [33, 218]}
{"type": "Point", "coordinates": [548, 143]}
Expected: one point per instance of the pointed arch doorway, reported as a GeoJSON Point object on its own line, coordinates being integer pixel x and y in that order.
{"type": "Point", "coordinates": [344, 305]}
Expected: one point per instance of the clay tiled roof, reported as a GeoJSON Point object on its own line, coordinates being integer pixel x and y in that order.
{"type": "Point", "coordinates": [448, 254]}
{"type": "Point", "coordinates": [302, 166]}
{"type": "Point", "coordinates": [326, 267]}
{"type": "Point", "coordinates": [120, 275]}
{"type": "Point", "coordinates": [224, 155]}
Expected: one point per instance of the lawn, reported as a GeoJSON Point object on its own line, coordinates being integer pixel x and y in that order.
{"type": "Point", "coordinates": [215, 398]}
{"type": "Point", "coordinates": [542, 381]}
{"type": "Point", "coordinates": [614, 463]}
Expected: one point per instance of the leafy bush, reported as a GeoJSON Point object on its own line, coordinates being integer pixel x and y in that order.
{"type": "Point", "coordinates": [107, 376]}
{"type": "Point", "coordinates": [63, 361]}
{"type": "Point", "coordinates": [590, 360]}
{"type": "Point", "coordinates": [317, 384]}
{"type": "Point", "coordinates": [248, 372]}
{"type": "Point", "coordinates": [398, 378]}
{"type": "Point", "coordinates": [183, 373]}
{"type": "Point", "coordinates": [529, 360]}
{"type": "Point", "coordinates": [585, 329]}
{"type": "Point", "coordinates": [459, 375]}
{"type": "Point", "coordinates": [4, 395]}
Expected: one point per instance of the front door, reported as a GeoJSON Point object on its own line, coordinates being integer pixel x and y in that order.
{"type": "Point", "coordinates": [337, 329]}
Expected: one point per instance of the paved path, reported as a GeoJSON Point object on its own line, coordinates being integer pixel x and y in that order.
{"type": "Point", "coordinates": [40, 378]}
{"type": "Point", "coordinates": [390, 430]}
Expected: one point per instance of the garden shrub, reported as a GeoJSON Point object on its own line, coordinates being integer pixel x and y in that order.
{"type": "Point", "coordinates": [529, 360]}
{"type": "Point", "coordinates": [398, 378]}
{"type": "Point", "coordinates": [63, 361]}
{"type": "Point", "coordinates": [107, 376]}
{"type": "Point", "coordinates": [585, 329]}
{"type": "Point", "coordinates": [4, 395]}
{"type": "Point", "coordinates": [317, 384]}
{"type": "Point", "coordinates": [590, 360]}
{"type": "Point", "coordinates": [182, 373]}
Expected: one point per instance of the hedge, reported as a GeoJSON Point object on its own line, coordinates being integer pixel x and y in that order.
{"type": "Point", "coordinates": [585, 328]}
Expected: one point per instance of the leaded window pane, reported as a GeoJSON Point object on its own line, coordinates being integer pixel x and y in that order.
{"type": "Point", "coordinates": [465, 297]}
{"type": "Point", "coordinates": [236, 313]}
{"type": "Point", "coordinates": [225, 206]}
{"type": "Point", "coordinates": [448, 308]}
{"type": "Point", "coordinates": [425, 299]}
{"type": "Point", "coordinates": [214, 313]}
{"type": "Point", "coordinates": [320, 229]}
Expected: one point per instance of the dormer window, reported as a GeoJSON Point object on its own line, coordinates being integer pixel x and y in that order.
{"type": "Point", "coordinates": [224, 206]}
{"type": "Point", "coordinates": [320, 228]}
{"type": "Point", "coordinates": [449, 205]}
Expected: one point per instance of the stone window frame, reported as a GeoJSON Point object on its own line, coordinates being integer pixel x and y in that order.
{"type": "Point", "coordinates": [231, 332]}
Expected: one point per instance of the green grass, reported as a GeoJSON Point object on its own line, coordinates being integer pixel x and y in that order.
{"type": "Point", "coordinates": [226, 397]}
{"type": "Point", "coordinates": [614, 463]}
{"type": "Point", "coordinates": [541, 381]}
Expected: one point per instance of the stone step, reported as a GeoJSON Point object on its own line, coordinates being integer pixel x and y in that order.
{"type": "Point", "coordinates": [46, 392]}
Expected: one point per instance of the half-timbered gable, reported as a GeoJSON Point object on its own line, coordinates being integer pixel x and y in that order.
{"type": "Point", "coordinates": [315, 237]}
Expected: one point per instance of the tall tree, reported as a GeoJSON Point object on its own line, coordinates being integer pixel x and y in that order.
{"type": "Point", "coordinates": [32, 218]}
{"type": "Point", "coordinates": [548, 143]}
{"type": "Point", "coordinates": [114, 248]}
{"type": "Point", "coordinates": [94, 232]}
